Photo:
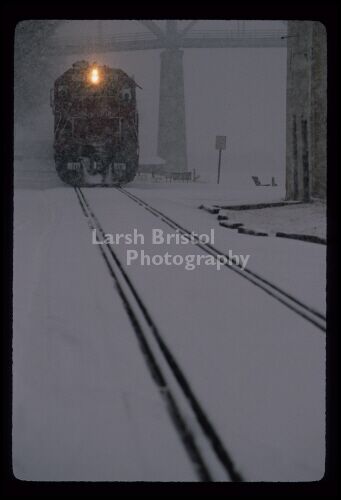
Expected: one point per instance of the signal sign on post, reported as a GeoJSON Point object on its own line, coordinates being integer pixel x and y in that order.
{"type": "Point", "coordinates": [220, 144]}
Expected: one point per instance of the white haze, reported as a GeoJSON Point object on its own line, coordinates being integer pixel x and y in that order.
{"type": "Point", "coordinates": [235, 92]}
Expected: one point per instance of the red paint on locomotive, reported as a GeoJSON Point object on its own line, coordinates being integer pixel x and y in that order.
{"type": "Point", "coordinates": [95, 126]}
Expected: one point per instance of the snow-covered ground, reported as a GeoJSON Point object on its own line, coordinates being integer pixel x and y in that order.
{"type": "Point", "coordinates": [35, 173]}
{"type": "Point", "coordinates": [84, 404]}
{"type": "Point", "coordinates": [303, 219]}
{"type": "Point", "coordinates": [296, 266]}
{"type": "Point", "coordinates": [236, 188]}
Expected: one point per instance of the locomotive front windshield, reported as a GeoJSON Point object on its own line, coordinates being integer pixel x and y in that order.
{"type": "Point", "coordinates": [97, 128]}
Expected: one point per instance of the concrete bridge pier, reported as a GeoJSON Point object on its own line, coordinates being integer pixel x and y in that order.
{"type": "Point", "coordinates": [172, 116]}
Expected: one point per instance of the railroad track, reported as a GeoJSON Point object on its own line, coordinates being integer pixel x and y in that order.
{"type": "Point", "coordinates": [305, 311]}
{"type": "Point", "coordinates": [204, 447]}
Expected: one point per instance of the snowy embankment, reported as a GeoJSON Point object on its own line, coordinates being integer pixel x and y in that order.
{"type": "Point", "coordinates": [303, 219]}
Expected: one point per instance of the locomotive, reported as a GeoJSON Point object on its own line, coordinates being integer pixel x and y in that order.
{"type": "Point", "coordinates": [95, 126]}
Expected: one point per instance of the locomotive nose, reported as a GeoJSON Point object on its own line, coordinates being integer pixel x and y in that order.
{"type": "Point", "coordinates": [95, 125]}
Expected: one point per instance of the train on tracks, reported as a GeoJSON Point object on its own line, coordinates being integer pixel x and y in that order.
{"type": "Point", "coordinates": [95, 126]}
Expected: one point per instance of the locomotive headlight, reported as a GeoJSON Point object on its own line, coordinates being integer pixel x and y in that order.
{"type": "Point", "coordinates": [94, 76]}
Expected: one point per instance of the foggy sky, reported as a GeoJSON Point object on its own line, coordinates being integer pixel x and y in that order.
{"type": "Point", "coordinates": [235, 92]}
